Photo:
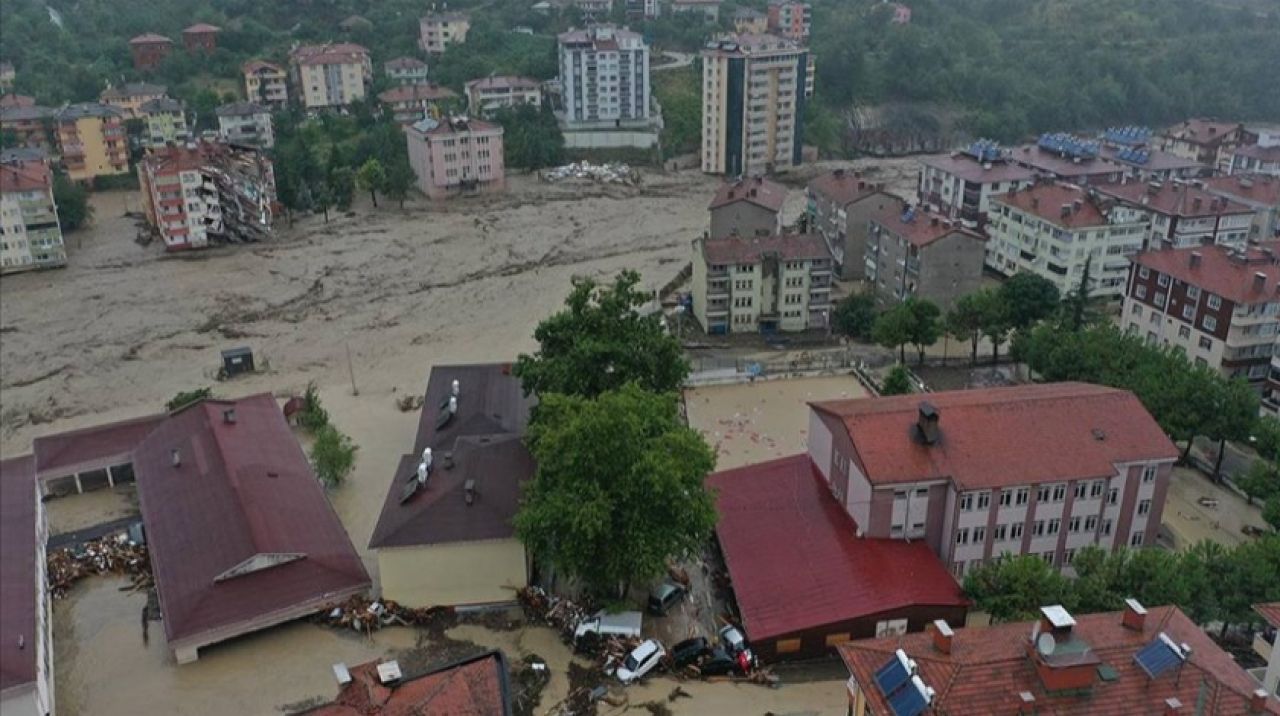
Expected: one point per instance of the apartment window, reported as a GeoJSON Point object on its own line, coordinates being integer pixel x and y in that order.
{"type": "Point", "coordinates": [1006, 498]}
{"type": "Point", "coordinates": [1073, 525]}
{"type": "Point", "coordinates": [1037, 529]}
{"type": "Point", "coordinates": [1205, 343]}
{"type": "Point", "coordinates": [1184, 332]}
{"type": "Point", "coordinates": [979, 535]}
{"type": "Point", "coordinates": [957, 568]}
{"type": "Point", "coordinates": [984, 500]}
{"type": "Point", "coordinates": [1113, 495]}
{"type": "Point", "coordinates": [1096, 488]}
{"type": "Point", "coordinates": [1210, 323]}
{"type": "Point", "coordinates": [1106, 528]}
{"type": "Point", "coordinates": [1215, 301]}
{"type": "Point", "coordinates": [1090, 523]}
{"type": "Point", "coordinates": [1188, 312]}
{"type": "Point", "coordinates": [1082, 489]}
{"type": "Point", "coordinates": [1022, 495]}
{"type": "Point", "coordinates": [1144, 272]}
{"type": "Point", "coordinates": [1163, 280]}
{"type": "Point", "coordinates": [1000, 533]}
{"type": "Point", "coordinates": [1193, 292]}
{"type": "Point", "coordinates": [1141, 292]}
{"type": "Point", "coordinates": [1136, 539]}
{"type": "Point", "coordinates": [1042, 493]}
{"type": "Point", "coordinates": [962, 536]}
{"type": "Point", "coordinates": [1149, 474]}
{"type": "Point", "coordinates": [966, 502]}
{"type": "Point", "coordinates": [1055, 525]}
{"type": "Point", "coordinates": [1144, 507]}
{"type": "Point", "coordinates": [1047, 557]}
{"type": "Point", "coordinates": [1159, 299]}
{"type": "Point", "coordinates": [1136, 310]}
{"type": "Point", "coordinates": [1015, 530]}
{"type": "Point", "coordinates": [1059, 492]}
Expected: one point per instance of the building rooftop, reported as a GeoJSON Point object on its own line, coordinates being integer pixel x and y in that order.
{"type": "Point", "coordinates": [919, 226]}
{"type": "Point", "coordinates": [970, 169]}
{"type": "Point", "coordinates": [162, 104]}
{"type": "Point", "coordinates": [601, 37]}
{"type": "Point", "coordinates": [756, 190]}
{"type": "Point", "coordinates": [1220, 270]}
{"type": "Point", "coordinates": [744, 44]}
{"type": "Point", "coordinates": [796, 562]}
{"type": "Point", "coordinates": [990, 668]}
{"type": "Point", "coordinates": [405, 63]}
{"type": "Point", "coordinates": [73, 112]}
{"type": "Point", "coordinates": [1035, 157]}
{"type": "Point", "coordinates": [485, 437]}
{"type": "Point", "coordinates": [997, 437]}
{"type": "Point", "coordinates": [72, 451]}
{"type": "Point", "coordinates": [1174, 198]}
{"type": "Point", "coordinates": [742, 250]}
{"type": "Point", "coordinates": [133, 89]}
{"type": "Point", "coordinates": [1251, 189]}
{"type": "Point", "coordinates": [150, 38]}
{"type": "Point", "coordinates": [1204, 132]}
{"type": "Point", "coordinates": [256, 66]}
{"type": "Point", "coordinates": [430, 92]}
{"type": "Point", "coordinates": [747, 13]}
{"type": "Point", "coordinates": [1270, 612]}
{"type": "Point", "coordinates": [843, 187]}
{"type": "Point", "coordinates": [1063, 205]}
{"type": "Point", "coordinates": [443, 17]}
{"type": "Point", "coordinates": [336, 53]}
{"type": "Point", "coordinates": [24, 176]}
{"type": "Point", "coordinates": [23, 155]}
{"type": "Point", "coordinates": [241, 109]}
{"type": "Point", "coordinates": [1155, 159]}
{"type": "Point", "coordinates": [23, 113]}
{"type": "Point", "coordinates": [1259, 152]}
{"type": "Point", "coordinates": [476, 685]}
{"type": "Point", "coordinates": [240, 532]}
{"type": "Point", "coordinates": [201, 28]}
{"type": "Point", "coordinates": [18, 572]}
{"type": "Point", "coordinates": [172, 159]}
{"type": "Point", "coordinates": [503, 82]}
{"type": "Point", "coordinates": [452, 126]}
{"type": "Point", "coordinates": [17, 100]}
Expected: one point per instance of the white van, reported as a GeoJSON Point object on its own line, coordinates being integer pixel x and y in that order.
{"type": "Point", "coordinates": [603, 624]}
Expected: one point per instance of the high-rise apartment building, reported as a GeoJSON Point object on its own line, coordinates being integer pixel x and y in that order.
{"type": "Point", "coordinates": [604, 73]}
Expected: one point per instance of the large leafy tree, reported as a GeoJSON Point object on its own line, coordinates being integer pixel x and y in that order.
{"type": "Point", "coordinates": [1014, 588]}
{"type": "Point", "coordinates": [619, 487]}
{"type": "Point", "coordinates": [892, 329]}
{"type": "Point", "coordinates": [74, 209]}
{"type": "Point", "coordinates": [372, 177]}
{"type": "Point", "coordinates": [602, 341]}
{"type": "Point", "coordinates": [966, 319]}
{"type": "Point", "coordinates": [1028, 299]}
{"type": "Point", "coordinates": [855, 315]}
{"type": "Point", "coordinates": [925, 324]}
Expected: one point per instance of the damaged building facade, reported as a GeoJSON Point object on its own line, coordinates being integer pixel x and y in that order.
{"type": "Point", "coordinates": [206, 193]}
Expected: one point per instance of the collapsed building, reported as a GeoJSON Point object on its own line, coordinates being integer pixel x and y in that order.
{"type": "Point", "coordinates": [209, 192]}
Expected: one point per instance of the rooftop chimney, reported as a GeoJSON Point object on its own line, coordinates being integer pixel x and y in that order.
{"type": "Point", "coordinates": [229, 416]}
{"type": "Point", "coordinates": [942, 635]}
{"type": "Point", "coordinates": [1065, 210]}
{"type": "Point", "coordinates": [175, 456]}
{"type": "Point", "coordinates": [1172, 706]}
{"type": "Point", "coordinates": [933, 221]}
{"type": "Point", "coordinates": [469, 491]}
{"type": "Point", "coordinates": [1195, 259]}
{"type": "Point", "coordinates": [1135, 615]}
{"type": "Point", "coordinates": [1258, 701]}
{"type": "Point", "coordinates": [1195, 204]}
{"type": "Point", "coordinates": [927, 422]}
{"type": "Point", "coordinates": [839, 172]}
{"type": "Point", "coordinates": [1259, 281]}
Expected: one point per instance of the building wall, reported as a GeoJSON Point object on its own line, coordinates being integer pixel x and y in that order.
{"type": "Point", "coordinates": [32, 237]}
{"type": "Point", "coordinates": [165, 128]}
{"type": "Point", "coordinates": [957, 198]}
{"type": "Point", "coordinates": [744, 219]}
{"type": "Point", "coordinates": [753, 107]}
{"type": "Point", "coordinates": [486, 101]}
{"type": "Point", "coordinates": [589, 97]}
{"type": "Point", "coordinates": [131, 105]}
{"type": "Point", "coordinates": [469, 573]}
{"type": "Point", "coordinates": [821, 641]}
{"type": "Point", "coordinates": [266, 87]}
{"type": "Point", "coordinates": [434, 34]}
{"type": "Point", "coordinates": [102, 151]}
{"type": "Point", "coordinates": [254, 129]}
{"type": "Point", "coordinates": [447, 164]}
{"type": "Point", "coordinates": [941, 272]}
{"type": "Point", "coordinates": [332, 85]}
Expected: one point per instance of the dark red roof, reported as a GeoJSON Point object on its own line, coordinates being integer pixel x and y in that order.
{"type": "Point", "coordinates": [243, 488]}
{"type": "Point", "coordinates": [924, 228]}
{"type": "Point", "coordinates": [477, 686]}
{"type": "Point", "coordinates": [1220, 271]}
{"type": "Point", "coordinates": [843, 187]}
{"type": "Point", "coordinates": [416, 93]}
{"type": "Point", "coordinates": [1259, 189]}
{"type": "Point", "coordinates": [201, 28]}
{"type": "Point", "coordinates": [1033, 156]}
{"type": "Point", "coordinates": [26, 176]}
{"type": "Point", "coordinates": [796, 562]}
{"type": "Point", "coordinates": [970, 169]}
{"type": "Point", "coordinates": [17, 572]}
{"type": "Point", "coordinates": [1174, 198]}
{"type": "Point", "coordinates": [1047, 201]}
{"type": "Point", "coordinates": [789, 247]}
{"type": "Point", "coordinates": [1269, 611]}
{"type": "Point", "coordinates": [757, 190]}
{"type": "Point", "coordinates": [150, 38]}
{"type": "Point", "coordinates": [1259, 152]}
{"type": "Point", "coordinates": [1204, 132]}
{"type": "Point", "coordinates": [1157, 160]}
{"type": "Point", "coordinates": [996, 437]}
{"type": "Point", "coordinates": [988, 668]}
{"type": "Point", "coordinates": [61, 454]}
{"type": "Point", "coordinates": [17, 100]}
{"type": "Point", "coordinates": [486, 438]}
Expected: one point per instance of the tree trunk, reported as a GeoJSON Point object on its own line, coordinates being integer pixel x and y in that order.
{"type": "Point", "coordinates": [995, 352]}
{"type": "Point", "coordinates": [1186, 452]}
{"type": "Point", "coordinates": [919, 355]}
{"type": "Point", "coordinates": [902, 354]}
{"type": "Point", "coordinates": [374, 195]}
{"type": "Point", "coordinates": [326, 215]}
{"type": "Point", "coordinates": [973, 358]}
{"type": "Point", "coordinates": [1217, 465]}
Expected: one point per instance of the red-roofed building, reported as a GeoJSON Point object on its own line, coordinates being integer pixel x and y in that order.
{"type": "Point", "coordinates": [1220, 306]}
{"type": "Point", "coordinates": [265, 83]}
{"type": "Point", "coordinates": [1255, 159]}
{"type": "Point", "coordinates": [1087, 664]}
{"type": "Point", "coordinates": [97, 456]}
{"type": "Point", "coordinates": [201, 37]}
{"type": "Point", "coordinates": [26, 650]}
{"type": "Point", "coordinates": [774, 283]}
{"type": "Point", "coordinates": [1207, 141]}
{"type": "Point", "coordinates": [412, 102]}
{"type": "Point", "coordinates": [915, 252]}
{"type": "Point", "coordinates": [455, 155]}
{"type": "Point", "coordinates": [803, 578]}
{"type": "Point", "coordinates": [149, 50]}
{"type": "Point", "coordinates": [30, 236]}
{"type": "Point", "coordinates": [1260, 192]}
{"type": "Point", "coordinates": [488, 94]}
{"type": "Point", "coordinates": [747, 207]}
{"type": "Point", "coordinates": [240, 532]}
{"type": "Point", "coordinates": [405, 70]}
{"type": "Point", "coordinates": [1269, 649]}
{"type": "Point", "coordinates": [1034, 469]}
{"type": "Point", "coordinates": [330, 75]}
{"type": "Point", "coordinates": [1082, 170]}
{"type": "Point", "coordinates": [1053, 229]}
{"type": "Point", "coordinates": [960, 186]}
{"type": "Point", "coordinates": [1181, 214]}
{"type": "Point", "coordinates": [840, 207]}
{"type": "Point", "coordinates": [475, 686]}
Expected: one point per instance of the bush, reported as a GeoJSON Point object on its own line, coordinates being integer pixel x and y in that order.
{"type": "Point", "coordinates": [187, 397]}
{"type": "Point", "coordinates": [898, 382]}
{"type": "Point", "coordinates": [313, 416]}
{"type": "Point", "coordinates": [333, 455]}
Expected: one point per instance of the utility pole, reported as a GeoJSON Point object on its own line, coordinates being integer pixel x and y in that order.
{"type": "Point", "coordinates": [352, 370]}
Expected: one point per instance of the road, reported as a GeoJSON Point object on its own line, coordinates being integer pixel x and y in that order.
{"type": "Point", "coordinates": [678, 60]}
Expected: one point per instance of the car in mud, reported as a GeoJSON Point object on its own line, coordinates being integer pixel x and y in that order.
{"type": "Point", "coordinates": [642, 660]}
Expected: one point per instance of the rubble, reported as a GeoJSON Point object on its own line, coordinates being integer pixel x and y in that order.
{"type": "Point", "coordinates": [367, 615]}
{"type": "Point", "coordinates": [113, 554]}
{"type": "Point", "coordinates": [606, 173]}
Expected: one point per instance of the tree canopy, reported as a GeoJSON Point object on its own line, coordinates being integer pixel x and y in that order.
{"type": "Point", "coordinates": [855, 315]}
{"type": "Point", "coordinates": [618, 489]}
{"type": "Point", "coordinates": [602, 341]}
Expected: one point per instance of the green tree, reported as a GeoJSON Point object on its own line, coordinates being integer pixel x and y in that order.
{"type": "Point", "coordinates": [893, 329]}
{"type": "Point", "coordinates": [187, 397]}
{"type": "Point", "coordinates": [966, 319]}
{"type": "Point", "coordinates": [1260, 481]}
{"type": "Point", "coordinates": [1206, 569]}
{"type": "Point", "coordinates": [855, 315]}
{"type": "Point", "coordinates": [332, 456]}
{"type": "Point", "coordinates": [322, 199]}
{"type": "Point", "coordinates": [1271, 512]}
{"type": "Point", "coordinates": [1233, 414]}
{"type": "Point", "coordinates": [342, 182]}
{"type": "Point", "coordinates": [400, 178]}
{"type": "Point", "coordinates": [1014, 588]}
{"type": "Point", "coordinates": [618, 489]}
{"type": "Point", "coordinates": [926, 324]}
{"type": "Point", "coordinates": [74, 209]}
{"type": "Point", "coordinates": [1079, 307]}
{"type": "Point", "coordinates": [372, 177]}
{"type": "Point", "coordinates": [602, 341]}
{"type": "Point", "coordinates": [313, 416]}
{"type": "Point", "coordinates": [531, 137]}
{"type": "Point", "coordinates": [897, 381]}
{"type": "Point", "coordinates": [1028, 298]}
{"type": "Point", "coordinates": [996, 323]}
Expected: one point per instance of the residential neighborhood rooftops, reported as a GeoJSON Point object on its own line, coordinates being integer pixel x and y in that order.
{"type": "Point", "coordinates": [1036, 157]}
{"type": "Point", "coordinates": [150, 38]}
{"type": "Point", "coordinates": [1259, 152]}
{"type": "Point", "coordinates": [256, 66]}
{"type": "Point", "coordinates": [475, 685]}
{"type": "Point", "coordinates": [995, 437]}
{"type": "Point", "coordinates": [1174, 198]}
{"type": "Point", "coordinates": [329, 54]}
{"type": "Point", "coordinates": [453, 125]}
{"type": "Point", "coordinates": [1205, 132]}
{"type": "Point", "coordinates": [71, 451]}
{"type": "Point", "coordinates": [480, 442]}
{"type": "Point", "coordinates": [742, 250]}
{"type": "Point", "coordinates": [970, 169]}
{"type": "Point", "coordinates": [73, 112]}
{"type": "Point", "coordinates": [756, 190]}
{"type": "Point", "coordinates": [502, 82]}
{"type": "Point", "coordinates": [405, 63]}
{"type": "Point", "coordinates": [161, 104]}
{"type": "Point", "coordinates": [1220, 270]}
{"type": "Point", "coordinates": [843, 187]}
{"type": "Point", "coordinates": [429, 92]}
{"type": "Point", "coordinates": [23, 155]}
{"type": "Point", "coordinates": [989, 669]}
{"type": "Point", "coordinates": [240, 532]}
{"type": "Point", "coordinates": [16, 100]}
{"type": "Point", "coordinates": [241, 109]}
{"type": "Point", "coordinates": [133, 89]}
{"type": "Point", "coordinates": [18, 572]}
{"type": "Point", "coordinates": [1059, 204]}
{"type": "Point", "coordinates": [25, 113]}
{"type": "Point", "coordinates": [1155, 160]}
{"type": "Point", "coordinates": [18, 177]}
{"type": "Point", "coordinates": [920, 227]}
{"type": "Point", "coordinates": [1251, 189]}
{"type": "Point", "coordinates": [795, 559]}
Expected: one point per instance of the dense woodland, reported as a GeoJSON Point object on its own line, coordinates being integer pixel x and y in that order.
{"type": "Point", "coordinates": [1008, 68]}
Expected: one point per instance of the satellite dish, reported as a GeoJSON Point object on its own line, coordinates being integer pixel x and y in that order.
{"type": "Point", "coordinates": [1046, 644]}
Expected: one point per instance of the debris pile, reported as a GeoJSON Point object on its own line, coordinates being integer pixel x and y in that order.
{"type": "Point", "coordinates": [606, 173]}
{"type": "Point", "coordinates": [559, 613]}
{"type": "Point", "coordinates": [366, 615]}
{"type": "Point", "coordinates": [113, 554]}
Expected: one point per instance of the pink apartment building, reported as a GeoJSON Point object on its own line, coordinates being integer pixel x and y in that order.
{"type": "Point", "coordinates": [455, 155]}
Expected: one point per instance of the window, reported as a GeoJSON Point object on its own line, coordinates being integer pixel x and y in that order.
{"type": "Point", "coordinates": [1136, 309]}
{"type": "Point", "coordinates": [1188, 311]}
{"type": "Point", "coordinates": [1073, 525]}
{"type": "Point", "coordinates": [957, 568]}
{"type": "Point", "coordinates": [1141, 292]}
{"type": "Point", "coordinates": [1091, 523]}
{"type": "Point", "coordinates": [1037, 529]}
{"type": "Point", "coordinates": [1136, 539]}
{"type": "Point", "coordinates": [1006, 498]}
{"type": "Point", "coordinates": [1163, 280]}
{"type": "Point", "coordinates": [1215, 301]}
{"type": "Point", "coordinates": [1047, 557]}
{"type": "Point", "coordinates": [1096, 488]}
{"type": "Point", "coordinates": [1144, 507]}
{"type": "Point", "coordinates": [1059, 492]}
{"type": "Point", "coordinates": [1082, 489]}
{"type": "Point", "coordinates": [1159, 299]}
{"type": "Point", "coordinates": [1144, 272]}
{"type": "Point", "coordinates": [1015, 530]}
{"type": "Point", "coordinates": [1210, 323]}
{"type": "Point", "coordinates": [1193, 292]}
{"type": "Point", "coordinates": [1205, 343]}
{"type": "Point", "coordinates": [1149, 474]}
{"type": "Point", "coordinates": [1184, 332]}
{"type": "Point", "coordinates": [962, 536]}
{"type": "Point", "coordinates": [1055, 525]}
{"type": "Point", "coordinates": [979, 535]}
{"type": "Point", "coordinates": [1023, 494]}
{"type": "Point", "coordinates": [984, 500]}
{"type": "Point", "coordinates": [787, 646]}
{"type": "Point", "coordinates": [1000, 533]}
{"type": "Point", "coordinates": [890, 627]}
{"type": "Point", "coordinates": [1112, 495]}
{"type": "Point", "coordinates": [1042, 494]}
{"type": "Point", "coordinates": [1106, 528]}
{"type": "Point", "coordinates": [1068, 555]}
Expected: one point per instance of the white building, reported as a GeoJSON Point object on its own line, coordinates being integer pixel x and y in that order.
{"type": "Point", "coordinates": [488, 94]}
{"type": "Point", "coordinates": [604, 75]}
{"type": "Point", "coordinates": [31, 237]}
{"type": "Point", "coordinates": [406, 71]}
{"type": "Point", "coordinates": [1181, 215]}
{"type": "Point", "coordinates": [246, 123]}
{"type": "Point", "coordinates": [771, 283]}
{"type": "Point", "coordinates": [439, 30]}
{"type": "Point", "coordinates": [331, 75]}
{"type": "Point", "coordinates": [1052, 230]}
{"type": "Point", "coordinates": [960, 185]}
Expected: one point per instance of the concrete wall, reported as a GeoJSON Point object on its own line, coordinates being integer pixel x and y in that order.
{"type": "Point", "coordinates": [951, 268]}
{"type": "Point", "coordinates": [745, 219]}
{"type": "Point", "coordinates": [453, 574]}
{"type": "Point", "coordinates": [856, 221]}
{"type": "Point", "coordinates": [609, 139]}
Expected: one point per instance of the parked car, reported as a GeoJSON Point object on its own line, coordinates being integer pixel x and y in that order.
{"type": "Point", "coordinates": [640, 661]}
{"type": "Point", "coordinates": [732, 640]}
{"type": "Point", "coordinates": [719, 663]}
{"type": "Point", "coordinates": [690, 651]}
{"type": "Point", "coordinates": [663, 597]}
{"type": "Point", "coordinates": [604, 624]}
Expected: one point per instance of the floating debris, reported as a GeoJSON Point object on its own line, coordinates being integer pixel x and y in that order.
{"type": "Point", "coordinates": [113, 554]}
{"type": "Point", "coordinates": [606, 173]}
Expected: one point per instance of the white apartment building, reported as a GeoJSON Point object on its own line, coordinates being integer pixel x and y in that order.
{"type": "Point", "coordinates": [439, 30]}
{"type": "Point", "coordinates": [1180, 214]}
{"type": "Point", "coordinates": [754, 90]}
{"type": "Point", "coordinates": [30, 237]}
{"type": "Point", "coordinates": [774, 283]}
{"type": "Point", "coordinates": [265, 83]}
{"type": "Point", "coordinates": [960, 185]}
{"type": "Point", "coordinates": [488, 94]}
{"type": "Point", "coordinates": [332, 75]}
{"type": "Point", "coordinates": [1052, 230]}
{"type": "Point", "coordinates": [246, 123]}
{"type": "Point", "coordinates": [604, 75]}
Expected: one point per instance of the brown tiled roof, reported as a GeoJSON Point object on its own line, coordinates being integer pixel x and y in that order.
{"type": "Point", "coordinates": [1261, 153]}
{"type": "Point", "coordinates": [989, 668]}
{"type": "Point", "coordinates": [25, 114]}
{"type": "Point", "coordinates": [1035, 157]}
{"type": "Point", "coordinates": [486, 439]}
{"type": "Point", "coordinates": [18, 572]}
{"type": "Point", "coordinates": [201, 28]}
{"type": "Point", "coordinates": [150, 38]}
{"type": "Point", "coordinates": [1157, 160]}
{"type": "Point", "coordinates": [1174, 198]}
{"type": "Point", "coordinates": [416, 93]}
{"type": "Point", "coordinates": [24, 176]}
{"type": "Point", "coordinates": [503, 82]}
{"type": "Point", "coordinates": [1270, 612]}
{"type": "Point", "coordinates": [257, 65]}
{"type": "Point", "coordinates": [405, 63]}
{"type": "Point", "coordinates": [1206, 132]}
{"type": "Point", "coordinates": [1219, 271]}
{"type": "Point", "coordinates": [1056, 204]}
{"type": "Point", "coordinates": [242, 489]}
{"type": "Point", "coordinates": [475, 686]}
{"type": "Point", "coordinates": [17, 100]}
{"type": "Point", "coordinates": [329, 54]}
{"type": "Point", "coordinates": [741, 250]}
{"type": "Point", "coordinates": [68, 452]}
{"type": "Point", "coordinates": [924, 228]}
{"type": "Point", "coordinates": [756, 190]}
{"type": "Point", "coordinates": [996, 437]}
{"type": "Point", "coordinates": [1254, 188]}
{"type": "Point", "coordinates": [842, 187]}
{"type": "Point", "coordinates": [972, 170]}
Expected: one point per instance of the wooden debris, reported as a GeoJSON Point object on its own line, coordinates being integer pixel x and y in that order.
{"type": "Point", "coordinates": [113, 554]}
